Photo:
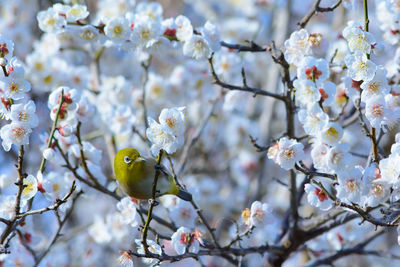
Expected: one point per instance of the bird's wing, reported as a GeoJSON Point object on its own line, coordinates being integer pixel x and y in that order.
{"type": "Point", "coordinates": [151, 163]}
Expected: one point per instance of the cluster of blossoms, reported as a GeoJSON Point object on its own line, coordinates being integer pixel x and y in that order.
{"type": "Point", "coordinates": [320, 100]}
{"type": "Point", "coordinates": [106, 75]}
{"type": "Point", "coordinates": [13, 88]}
{"type": "Point", "coordinates": [168, 134]}
{"type": "Point", "coordinates": [144, 29]}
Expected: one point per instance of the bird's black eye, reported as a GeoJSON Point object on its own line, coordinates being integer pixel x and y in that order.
{"type": "Point", "coordinates": [127, 160]}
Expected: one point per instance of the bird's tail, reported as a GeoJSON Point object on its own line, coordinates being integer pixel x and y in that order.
{"type": "Point", "coordinates": [184, 195]}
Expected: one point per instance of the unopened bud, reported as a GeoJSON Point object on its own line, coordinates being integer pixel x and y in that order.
{"type": "Point", "coordinates": [66, 130]}
{"type": "Point", "coordinates": [3, 62]}
{"type": "Point", "coordinates": [48, 153]}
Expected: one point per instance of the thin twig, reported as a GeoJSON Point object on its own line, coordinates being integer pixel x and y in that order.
{"type": "Point", "coordinates": [316, 8]}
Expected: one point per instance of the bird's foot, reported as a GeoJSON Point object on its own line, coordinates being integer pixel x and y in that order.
{"type": "Point", "coordinates": [153, 202]}
{"type": "Point", "coordinates": [158, 167]}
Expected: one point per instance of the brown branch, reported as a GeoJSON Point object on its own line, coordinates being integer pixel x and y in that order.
{"type": "Point", "coordinates": [357, 249]}
{"type": "Point", "coordinates": [53, 129]}
{"type": "Point", "coordinates": [189, 145]}
{"type": "Point", "coordinates": [12, 224]}
{"type": "Point", "coordinates": [55, 206]}
{"type": "Point", "coordinates": [60, 226]}
{"type": "Point", "coordinates": [316, 8]}
{"type": "Point", "coordinates": [145, 66]}
{"type": "Point", "coordinates": [245, 88]}
{"type": "Point", "coordinates": [152, 204]}
{"type": "Point", "coordinates": [253, 47]}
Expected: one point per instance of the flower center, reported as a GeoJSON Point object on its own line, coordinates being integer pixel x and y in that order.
{"type": "Point", "coordinates": [3, 50]}
{"type": "Point", "coordinates": [320, 194]}
{"type": "Point", "coordinates": [312, 73]}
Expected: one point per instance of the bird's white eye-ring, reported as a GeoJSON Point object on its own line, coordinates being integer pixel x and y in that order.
{"type": "Point", "coordinates": [127, 160]}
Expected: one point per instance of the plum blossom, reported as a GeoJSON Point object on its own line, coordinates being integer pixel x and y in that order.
{"type": "Point", "coordinates": [313, 119]}
{"type": "Point", "coordinates": [297, 46]}
{"type": "Point", "coordinates": [24, 114]}
{"type": "Point", "coordinates": [376, 189]}
{"type": "Point", "coordinates": [377, 86]}
{"type": "Point", "coordinates": [50, 20]}
{"type": "Point", "coordinates": [260, 214]}
{"type": "Point", "coordinates": [125, 259]}
{"type": "Point", "coordinates": [14, 86]}
{"type": "Point", "coordinates": [30, 187]}
{"type": "Point", "coordinates": [128, 211]}
{"type": "Point", "coordinates": [211, 34]}
{"type": "Point", "coordinates": [184, 239]}
{"type": "Point", "coordinates": [376, 111]}
{"type": "Point", "coordinates": [197, 47]}
{"type": "Point", "coordinates": [184, 30]}
{"type": "Point", "coordinates": [317, 196]}
{"type": "Point", "coordinates": [168, 134]}
{"type": "Point", "coordinates": [118, 29]}
{"type": "Point", "coordinates": [350, 186]}
{"type": "Point", "coordinates": [339, 158]}
{"type": "Point", "coordinates": [76, 12]}
{"type": "Point", "coordinates": [153, 247]}
{"type": "Point", "coordinates": [146, 32]}
{"type": "Point", "coordinates": [389, 169]}
{"type": "Point", "coordinates": [183, 214]}
{"type": "Point", "coordinates": [306, 92]}
{"type": "Point", "coordinates": [360, 67]}
{"type": "Point", "coordinates": [331, 134]}
{"type": "Point", "coordinates": [14, 133]}
{"type": "Point", "coordinates": [359, 40]}
{"type": "Point", "coordinates": [316, 70]}
{"type": "Point", "coordinates": [286, 153]}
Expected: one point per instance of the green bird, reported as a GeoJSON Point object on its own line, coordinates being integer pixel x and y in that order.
{"type": "Point", "coordinates": [135, 175]}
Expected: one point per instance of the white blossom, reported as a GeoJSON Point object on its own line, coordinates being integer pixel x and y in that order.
{"type": "Point", "coordinates": [197, 47]}
{"type": "Point", "coordinates": [184, 239]}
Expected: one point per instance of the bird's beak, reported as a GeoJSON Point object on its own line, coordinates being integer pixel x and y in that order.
{"type": "Point", "coordinates": [140, 159]}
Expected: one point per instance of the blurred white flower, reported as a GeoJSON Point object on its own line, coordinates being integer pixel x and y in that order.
{"type": "Point", "coordinates": [146, 32]}
{"type": "Point", "coordinates": [184, 29]}
{"type": "Point", "coordinates": [125, 259]}
{"type": "Point", "coordinates": [128, 211]}
{"type": "Point", "coordinates": [118, 29]}
{"type": "Point", "coordinates": [99, 231]}
{"type": "Point", "coordinates": [152, 10]}
{"type": "Point", "coordinates": [183, 214]}
{"type": "Point", "coordinates": [76, 12]}
{"type": "Point", "coordinates": [211, 34]}
{"type": "Point", "coordinates": [197, 47]}
{"type": "Point", "coordinates": [50, 20]}
{"type": "Point", "coordinates": [55, 185]}
{"type": "Point", "coordinates": [7, 206]}
{"type": "Point", "coordinates": [260, 214]}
